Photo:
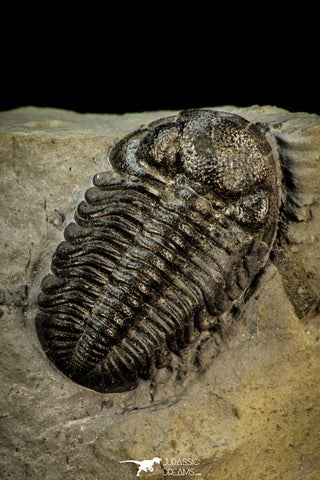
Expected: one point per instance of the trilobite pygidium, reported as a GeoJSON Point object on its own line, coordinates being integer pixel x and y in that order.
{"type": "Point", "coordinates": [175, 235]}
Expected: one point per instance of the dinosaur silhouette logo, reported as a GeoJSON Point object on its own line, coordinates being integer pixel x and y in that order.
{"type": "Point", "coordinates": [145, 465]}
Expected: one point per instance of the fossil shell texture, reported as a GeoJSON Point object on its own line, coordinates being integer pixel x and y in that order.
{"type": "Point", "coordinates": [174, 236]}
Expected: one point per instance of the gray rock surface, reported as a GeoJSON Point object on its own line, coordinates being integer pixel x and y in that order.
{"type": "Point", "coordinates": [247, 409]}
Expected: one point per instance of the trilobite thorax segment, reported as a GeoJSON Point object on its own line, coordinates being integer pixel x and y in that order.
{"type": "Point", "coordinates": [180, 228]}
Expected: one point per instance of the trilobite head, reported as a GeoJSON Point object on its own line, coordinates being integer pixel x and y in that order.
{"type": "Point", "coordinates": [225, 151]}
{"type": "Point", "coordinates": [210, 147]}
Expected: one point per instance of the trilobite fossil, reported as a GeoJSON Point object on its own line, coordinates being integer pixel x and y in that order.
{"type": "Point", "coordinates": [174, 236]}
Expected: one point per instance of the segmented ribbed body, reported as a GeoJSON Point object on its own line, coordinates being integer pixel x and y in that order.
{"type": "Point", "coordinates": [143, 259]}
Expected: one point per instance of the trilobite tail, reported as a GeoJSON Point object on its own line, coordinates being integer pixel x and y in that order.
{"type": "Point", "coordinates": [167, 327]}
{"type": "Point", "coordinates": [147, 345]}
{"type": "Point", "coordinates": [137, 355]}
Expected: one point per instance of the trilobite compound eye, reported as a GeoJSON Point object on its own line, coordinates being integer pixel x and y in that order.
{"type": "Point", "coordinates": [160, 148]}
{"type": "Point", "coordinates": [224, 151]}
{"type": "Point", "coordinates": [123, 155]}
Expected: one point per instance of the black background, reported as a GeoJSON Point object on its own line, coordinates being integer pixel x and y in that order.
{"type": "Point", "coordinates": [164, 69]}
{"type": "Point", "coordinates": [104, 93]}
{"type": "Point", "coordinates": [112, 97]}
